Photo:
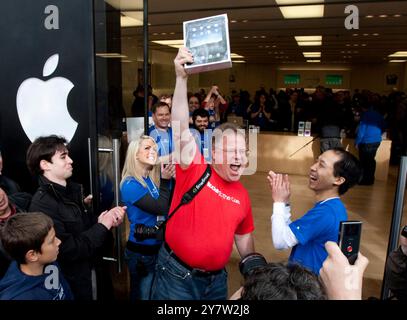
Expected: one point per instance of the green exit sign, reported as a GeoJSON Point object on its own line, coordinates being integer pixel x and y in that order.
{"type": "Point", "coordinates": [292, 79]}
{"type": "Point", "coordinates": [333, 79]}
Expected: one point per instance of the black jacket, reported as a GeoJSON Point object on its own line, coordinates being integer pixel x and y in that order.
{"type": "Point", "coordinates": [81, 236]}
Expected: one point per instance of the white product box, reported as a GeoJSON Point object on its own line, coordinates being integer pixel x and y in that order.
{"type": "Point", "coordinates": [307, 131]}
{"type": "Point", "coordinates": [208, 40]}
{"type": "Point", "coordinates": [301, 125]}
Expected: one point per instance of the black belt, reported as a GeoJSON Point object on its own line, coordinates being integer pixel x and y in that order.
{"type": "Point", "coordinates": [197, 272]}
{"type": "Point", "coordinates": [143, 249]}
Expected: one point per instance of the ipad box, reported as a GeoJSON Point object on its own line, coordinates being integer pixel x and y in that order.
{"type": "Point", "coordinates": [208, 40]}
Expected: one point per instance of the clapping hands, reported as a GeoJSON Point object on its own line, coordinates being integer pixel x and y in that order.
{"type": "Point", "coordinates": [112, 218]}
{"type": "Point", "coordinates": [280, 187]}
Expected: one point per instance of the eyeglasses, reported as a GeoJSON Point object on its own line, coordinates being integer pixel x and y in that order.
{"type": "Point", "coordinates": [242, 152]}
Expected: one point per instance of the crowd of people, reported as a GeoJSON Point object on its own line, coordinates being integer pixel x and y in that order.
{"type": "Point", "coordinates": [186, 207]}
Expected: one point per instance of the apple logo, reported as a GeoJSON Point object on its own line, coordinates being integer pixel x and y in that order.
{"type": "Point", "coordinates": [42, 107]}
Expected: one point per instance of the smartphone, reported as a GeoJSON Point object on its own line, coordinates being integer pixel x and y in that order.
{"type": "Point", "coordinates": [349, 239]}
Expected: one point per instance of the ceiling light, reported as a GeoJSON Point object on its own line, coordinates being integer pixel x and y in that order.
{"type": "Point", "coordinates": [246, 37]}
{"type": "Point", "coordinates": [365, 34]}
{"type": "Point", "coordinates": [263, 37]}
{"type": "Point", "coordinates": [398, 61]}
{"type": "Point", "coordinates": [370, 16]}
{"type": "Point", "coordinates": [130, 22]}
{"type": "Point", "coordinates": [110, 55]}
{"type": "Point", "coordinates": [131, 19]}
{"type": "Point", "coordinates": [312, 54]}
{"type": "Point", "coordinates": [308, 38]}
{"type": "Point", "coordinates": [245, 21]}
{"type": "Point", "coordinates": [348, 45]}
{"type": "Point", "coordinates": [363, 44]}
{"type": "Point", "coordinates": [236, 56]}
{"type": "Point", "coordinates": [397, 15]}
{"type": "Point", "coordinates": [233, 21]}
{"type": "Point", "coordinates": [239, 61]}
{"type": "Point", "coordinates": [296, 12]}
{"type": "Point", "coordinates": [170, 43]}
{"type": "Point", "coordinates": [383, 16]}
{"type": "Point", "coordinates": [313, 61]}
{"type": "Point", "coordinates": [355, 34]}
{"type": "Point", "coordinates": [375, 34]}
{"type": "Point", "coordinates": [398, 54]}
{"type": "Point", "coordinates": [309, 43]}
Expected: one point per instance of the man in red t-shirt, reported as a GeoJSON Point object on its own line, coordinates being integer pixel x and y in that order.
{"type": "Point", "coordinates": [199, 238]}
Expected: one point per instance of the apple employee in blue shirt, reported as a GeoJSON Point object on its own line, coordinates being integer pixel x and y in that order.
{"type": "Point", "coordinates": [333, 173]}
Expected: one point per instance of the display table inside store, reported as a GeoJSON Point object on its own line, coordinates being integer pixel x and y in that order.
{"type": "Point", "coordinates": [274, 150]}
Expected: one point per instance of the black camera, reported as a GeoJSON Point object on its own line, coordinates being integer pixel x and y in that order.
{"type": "Point", "coordinates": [251, 262]}
{"type": "Point", "coordinates": [143, 232]}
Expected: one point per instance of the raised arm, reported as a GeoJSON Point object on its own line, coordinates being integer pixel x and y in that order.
{"type": "Point", "coordinates": [184, 149]}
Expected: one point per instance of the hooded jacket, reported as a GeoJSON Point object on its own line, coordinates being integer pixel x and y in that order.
{"type": "Point", "coordinates": [81, 236]}
{"type": "Point", "coordinates": [16, 285]}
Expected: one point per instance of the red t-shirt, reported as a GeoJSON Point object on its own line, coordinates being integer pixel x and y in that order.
{"type": "Point", "coordinates": [202, 232]}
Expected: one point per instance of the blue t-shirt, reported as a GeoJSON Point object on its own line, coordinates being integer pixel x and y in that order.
{"type": "Point", "coordinates": [163, 140]}
{"type": "Point", "coordinates": [204, 142]}
{"type": "Point", "coordinates": [313, 230]}
{"type": "Point", "coordinates": [132, 191]}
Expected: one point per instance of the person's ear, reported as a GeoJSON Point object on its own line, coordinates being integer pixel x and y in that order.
{"type": "Point", "coordinates": [339, 180]}
{"type": "Point", "coordinates": [31, 256]}
{"type": "Point", "coordinates": [44, 165]}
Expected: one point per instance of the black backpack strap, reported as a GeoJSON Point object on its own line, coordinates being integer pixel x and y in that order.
{"type": "Point", "coordinates": [191, 193]}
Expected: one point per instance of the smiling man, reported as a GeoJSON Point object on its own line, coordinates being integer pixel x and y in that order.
{"type": "Point", "coordinates": [333, 173]}
{"type": "Point", "coordinates": [199, 237]}
{"type": "Point", "coordinates": [82, 234]}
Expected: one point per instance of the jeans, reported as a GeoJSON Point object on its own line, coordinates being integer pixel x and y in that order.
{"type": "Point", "coordinates": [175, 282]}
{"type": "Point", "coordinates": [142, 272]}
{"type": "Point", "coordinates": [367, 154]}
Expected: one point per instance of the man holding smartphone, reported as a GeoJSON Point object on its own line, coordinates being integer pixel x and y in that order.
{"type": "Point", "coordinates": [333, 173]}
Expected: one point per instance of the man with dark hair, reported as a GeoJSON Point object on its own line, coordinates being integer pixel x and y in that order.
{"type": "Point", "coordinates": [334, 172]}
{"type": "Point", "coordinates": [278, 281]}
{"type": "Point", "coordinates": [160, 131]}
{"type": "Point", "coordinates": [82, 234]}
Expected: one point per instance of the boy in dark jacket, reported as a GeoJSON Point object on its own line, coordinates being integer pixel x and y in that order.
{"type": "Point", "coordinates": [81, 233]}
{"type": "Point", "coordinates": [29, 239]}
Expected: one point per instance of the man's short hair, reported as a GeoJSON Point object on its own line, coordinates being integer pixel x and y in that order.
{"type": "Point", "coordinates": [277, 281]}
{"type": "Point", "coordinates": [23, 232]}
{"type": "Point", "coordinates": [200, 112]}
{"type": "Point", "coordinates": [349, 168]}
{"type": "Point", "coordinates": [160, 105]}
{"type": "Point", "coordinates": [43, 148]}
{"type": "Point", "coordinates": [227, 127]}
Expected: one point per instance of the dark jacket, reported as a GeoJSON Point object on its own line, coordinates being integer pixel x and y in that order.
{"type": "Point", "coordinates": [16, 285]}
{"type": "Point", "coordinates": [81, 236]}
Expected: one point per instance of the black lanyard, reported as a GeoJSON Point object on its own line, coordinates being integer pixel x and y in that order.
{"type": "Point", "coordinates": [190, 194]}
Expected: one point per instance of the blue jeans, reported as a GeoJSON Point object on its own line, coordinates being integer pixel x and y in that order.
{"type": "Point", "coordinates": [142, 272]}
{"type": "Point", "coordinates": [175, 282]}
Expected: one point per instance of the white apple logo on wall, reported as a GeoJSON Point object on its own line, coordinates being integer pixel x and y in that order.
{"type": "Point", "coordinates": [42, 105]}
